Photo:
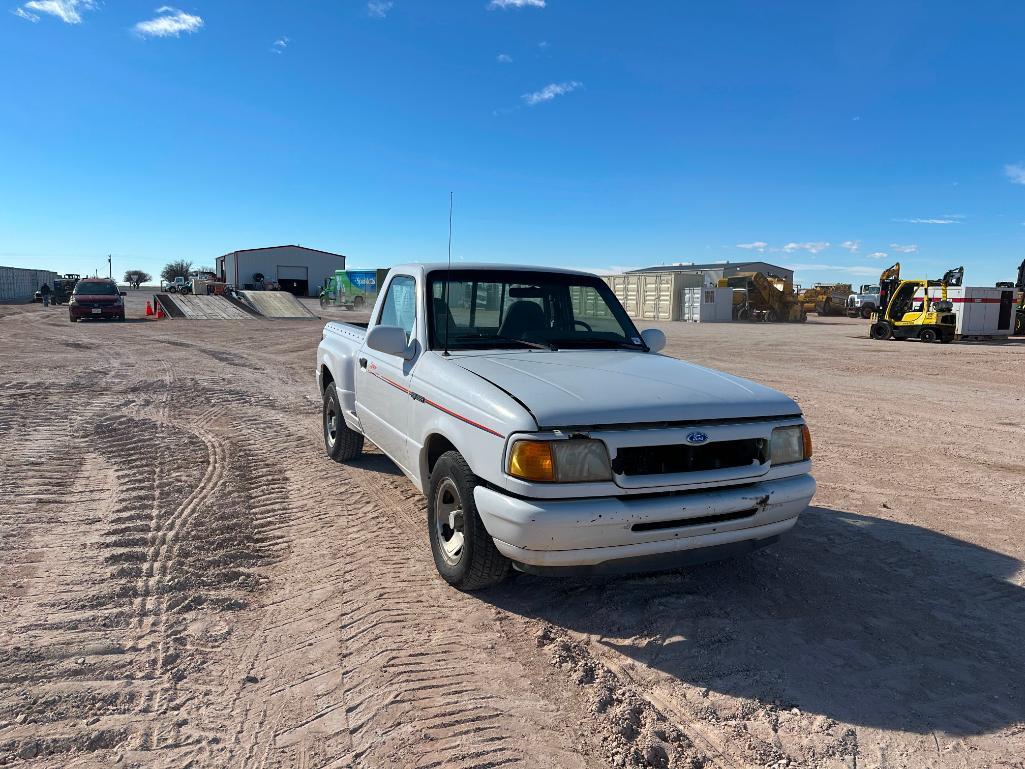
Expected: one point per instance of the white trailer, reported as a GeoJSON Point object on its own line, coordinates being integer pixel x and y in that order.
{"type": "Point", "coordinates": [710, 304]}
{"type": "Point", "coordinates": [982, 311]}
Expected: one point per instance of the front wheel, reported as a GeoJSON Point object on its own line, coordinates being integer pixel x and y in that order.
{"type": "Point", "coordinates": [880, 330]}
{"type": "Point", "coordinates": [464, 553]}
{"type": "Point", "coordinates": [867, 310]}
{"type": "Point", "coordinates": [358, 302]}
{"type": "Point", "coordinates": [341, 443]}
{"type": "Point", "coordinates": [323, 301]}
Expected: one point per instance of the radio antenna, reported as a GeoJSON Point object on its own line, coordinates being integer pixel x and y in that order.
{"type": "Point", "coordinates": [448, 273]}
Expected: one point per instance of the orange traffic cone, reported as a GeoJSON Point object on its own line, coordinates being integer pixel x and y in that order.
{"type": "Point", "coordinates": [160, 312]}
{"type": "Point", "coordinates": [149, 309]}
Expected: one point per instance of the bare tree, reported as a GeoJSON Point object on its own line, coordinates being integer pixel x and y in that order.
{"type": "Point", "coordinates": [136, 278]}
{"type": "Point", "coordinates": [179, 268]}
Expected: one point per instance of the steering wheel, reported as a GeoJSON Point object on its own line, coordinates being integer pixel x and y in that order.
{"type": "Point", "coordinates": [581, 323]}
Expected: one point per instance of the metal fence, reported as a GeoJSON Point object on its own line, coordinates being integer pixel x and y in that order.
{"type": "Point", "coordinates": [18, 285]}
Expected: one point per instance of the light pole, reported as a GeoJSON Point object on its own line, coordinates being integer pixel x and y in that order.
{"type": "Point", "coordinates": [110, 268]}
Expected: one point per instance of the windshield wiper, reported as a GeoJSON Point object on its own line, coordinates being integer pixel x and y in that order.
{"type": "Point", "coordinates": [496, 338]}
{"type": "Point", "coordinates": [604, 343]}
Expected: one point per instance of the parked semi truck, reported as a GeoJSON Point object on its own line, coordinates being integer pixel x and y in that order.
{"type": "Point", "coordinates": [351, 289]}
{"type": "Point", "coordinates": [549, 435]}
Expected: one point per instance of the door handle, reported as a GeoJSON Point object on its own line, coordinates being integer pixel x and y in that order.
{"type": "Point", "coordinates": [362, 362]}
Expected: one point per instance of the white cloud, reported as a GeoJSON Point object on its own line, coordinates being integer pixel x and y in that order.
{"type": "Point", "coordinates": [910, 248]}
{"type": "Point", "coordinates": [503, 4]}
{"type": "Point", "coordinates": [1015, 172]}
{"type": "Point", "coordinates": [169, 22]}
{"type": "Point", "coordinates": [504, 58]}
{"type": "Point", "coordinates": [379, 8]}
{"type": "Point", "coordinates": [549, 92]}
{"type": "Point", "coordinates": [811, 248]}
{"type": "Point", "coordinates": [851, 245]}
{"type": "Point", "coordinates": [280, 44]}
{"type": "Point", "coordinates": [758, 245]}
{"type": "Point", "coordinates": [944, 219]}
{"type": "Point", "coordinates": [878, 255]}
{"type": "Point", "coordinates": [68, 11]}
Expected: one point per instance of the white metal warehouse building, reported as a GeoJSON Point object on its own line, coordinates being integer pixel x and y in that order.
{"type": "Point", "coordinates": [299, 270]}
{"type": "Point", "coordinates": [18, 285]}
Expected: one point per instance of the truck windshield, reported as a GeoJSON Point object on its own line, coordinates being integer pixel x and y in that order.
{"type": "Point", "coordinates": [97, 289]}
{"type": "Point", "coordinates": [483, 309]}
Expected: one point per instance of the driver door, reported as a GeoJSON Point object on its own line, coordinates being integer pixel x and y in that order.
{"type": "Point", "coordinates": [383, 402]}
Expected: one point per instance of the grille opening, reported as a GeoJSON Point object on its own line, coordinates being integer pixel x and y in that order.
{"type": "Point", "coordinates": [680, 522]}
{"type": "Point", "coordinates": [684, 458]}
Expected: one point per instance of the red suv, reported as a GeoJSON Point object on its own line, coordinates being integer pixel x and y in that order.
{"type": "Point", "coordinates": [96, 298]}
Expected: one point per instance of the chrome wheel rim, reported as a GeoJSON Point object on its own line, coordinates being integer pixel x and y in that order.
{"type": "Point", "coordinates": [448, 521]}
{"type": "Point", "coordinates": [331, 424]}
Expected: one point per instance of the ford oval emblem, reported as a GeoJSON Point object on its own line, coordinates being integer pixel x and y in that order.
{"type": "Point", "coordinates": [697, 439]}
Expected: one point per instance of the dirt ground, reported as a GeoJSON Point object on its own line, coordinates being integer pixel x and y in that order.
{"type": "Point", "coordinates": [187, 581]}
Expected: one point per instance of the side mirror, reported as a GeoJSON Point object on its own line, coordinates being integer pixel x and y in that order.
{"type": "Point", "coordinates": [390, 340]}
{"type": "Point", "coordinates": [654, 338]}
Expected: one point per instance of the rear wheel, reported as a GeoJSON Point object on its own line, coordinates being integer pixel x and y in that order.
{"type": "Point", "coordinates": [341, 443]}
{"type": "Point", "coordinates": [880, 330]}
{"type": "Point", "coordinates": [771, 316]}
{"type": "Point", "coordinates": [1019, 324]}
{"type": "Point", "coordinates": [323, 300]}
{"type": "Point", "coordinates": [928, 335]}
{"type": "Point", "coordinates": [357, 303]}
{"type": "Point", "coordinates": [464, 553]}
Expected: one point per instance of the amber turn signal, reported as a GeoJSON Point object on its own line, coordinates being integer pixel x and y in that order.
{"type": "Point", "coordinates": [532, 461]}
{"type": "Point", "coordinates": [807, 441]}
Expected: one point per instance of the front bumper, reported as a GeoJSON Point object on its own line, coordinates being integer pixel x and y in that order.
{"type": "Point", "coordinates": [591, 532]}
{"type": "Point", "coordinates": [111, 311]}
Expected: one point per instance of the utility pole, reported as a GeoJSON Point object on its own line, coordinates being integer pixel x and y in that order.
{"type": "Point", "coordinates": [110, 268]}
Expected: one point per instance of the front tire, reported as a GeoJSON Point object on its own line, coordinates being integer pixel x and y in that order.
{"type": "Point", "coordinates": [880, 330]}
{"type": "Point", "coordinates": [464, 553]}
{"type": "Point", "coordinates": [341, 443]}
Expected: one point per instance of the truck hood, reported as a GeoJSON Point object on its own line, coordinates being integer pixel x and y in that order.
{"type": "Point", "coordinates": [589, 388]}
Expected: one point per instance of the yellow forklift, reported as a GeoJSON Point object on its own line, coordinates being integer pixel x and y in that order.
{"type": "Point", "coordinates": [907, 311]}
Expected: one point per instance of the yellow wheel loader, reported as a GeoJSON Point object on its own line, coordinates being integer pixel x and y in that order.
{"type": "Point", "coordinates": [907, 311]}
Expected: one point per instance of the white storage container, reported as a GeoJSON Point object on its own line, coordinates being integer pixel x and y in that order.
{"type": "Point", "coordinates": [648, 295]}
{"type": "Point", "coordinates": [710, 304]}
{"type": "Point", "coordinates": [980, 310]}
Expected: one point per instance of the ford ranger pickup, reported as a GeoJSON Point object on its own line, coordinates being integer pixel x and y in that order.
{"type": "Point", "coordinates": [549, 435]}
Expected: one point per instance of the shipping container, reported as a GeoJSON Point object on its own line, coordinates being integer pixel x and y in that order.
{"type": "Point", "coordinates": [981, 311]}
{"type": "Point", "coordinates": [649, 295]}
{"type": "Point", "coordinates": [710, 304]}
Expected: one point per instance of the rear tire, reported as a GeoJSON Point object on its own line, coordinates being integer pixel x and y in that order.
{"type": "Point", "coordinates": [928, 335]}
{"type": "Point", "coordinates": [880, 331]}
{"type": "Point", "coordinates": [357, 303]}
{"type": "Point", "coordinates": [341, 443]}
{"type": "Point", "coordinates": [464, 553]}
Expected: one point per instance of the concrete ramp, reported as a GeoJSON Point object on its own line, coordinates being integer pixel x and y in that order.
{"type": "Point", "coordinates": [200, 307]}
{"type": "Point", "coordinates": [277, 304]}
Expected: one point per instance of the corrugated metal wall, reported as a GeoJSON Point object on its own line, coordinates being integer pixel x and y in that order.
{"type": "Point", "coordinates": [17, 284]}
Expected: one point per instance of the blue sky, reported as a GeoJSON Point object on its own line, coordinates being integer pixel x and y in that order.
{"type": "Point", "coordinates": [832, 138]}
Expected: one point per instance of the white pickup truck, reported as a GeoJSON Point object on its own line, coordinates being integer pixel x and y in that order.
{"type": "Point", "coordinates": [548, 434]}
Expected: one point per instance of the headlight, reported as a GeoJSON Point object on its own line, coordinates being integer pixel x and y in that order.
{"type": "Point", "coordinates": [72, 301]}
{"type": "Point", "coordinates": [790, 444]}
{"type": "Point", "coordinates": [578, 460]}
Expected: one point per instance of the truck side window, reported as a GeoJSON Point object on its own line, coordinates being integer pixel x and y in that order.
{"type": "Point", "coordinates": [399, 308]}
